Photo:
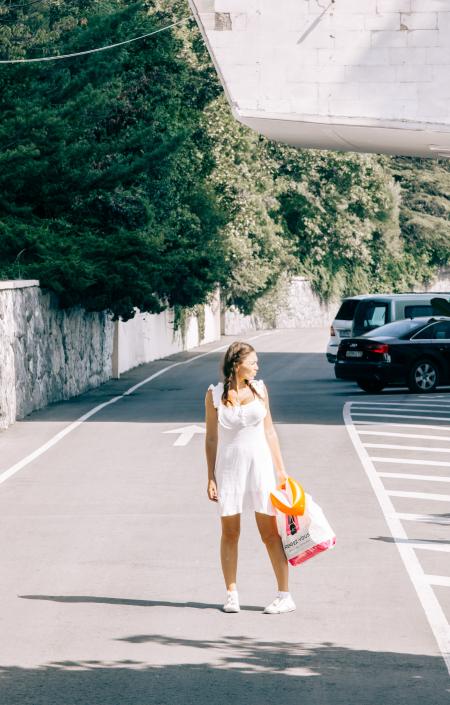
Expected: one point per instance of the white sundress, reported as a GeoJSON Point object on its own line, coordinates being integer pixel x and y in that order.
{"type": "Point", "coordinates": [244, 470]}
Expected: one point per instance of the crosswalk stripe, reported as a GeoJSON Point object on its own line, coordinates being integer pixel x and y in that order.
{"type": "Point", "coordinates": [441, 580]}
{"type": "Point", "coordinates": [398, 408]}
{"type": "Point", "coordinates": [411, 461]}
{"type": "Point", "coordinates": [423, 518]}
{"type": "Point", "coordinates": [401, 416]}
{"type": "Point", "coordinates": [420, 495]}
{"type": "Point", "coordinates": [400, 447]}
{"type": "Point", "coordinates": [444, 548]}
{"type": "Point", "coordinates": [415, 405]}
{"type": "Point", "coordinates": [405, 435]}
{"type": "Point", "coordinates": [406, 476]}
{"type": "Point", "coordinates": [392, 424]}
{"type": "Point", "coordinates": [427, 596]}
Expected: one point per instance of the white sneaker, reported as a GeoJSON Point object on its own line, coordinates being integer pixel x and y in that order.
{"type": "Point", "coordinates": [232, 603]}
{"type": "Point", "coordinates": [280, 604]}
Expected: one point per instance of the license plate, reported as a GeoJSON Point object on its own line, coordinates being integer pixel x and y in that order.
{"type": "Point", "coordinates": [353, 353]}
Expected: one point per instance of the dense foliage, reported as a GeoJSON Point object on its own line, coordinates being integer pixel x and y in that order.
{"type": "Point", "coordinates": [258, 249]}
{"type": "Point", "coordinates": [125, 182]}
{"type": "Point", "coordinates": [104, 163]}
{"type": "Point", "coordinates": [342, 211]}
{"type": "Point", "coordinates": [425, 211]}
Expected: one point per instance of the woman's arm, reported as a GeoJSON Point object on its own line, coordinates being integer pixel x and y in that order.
{"type": "Point", "coordinates": [211, 445]}
{"type": "Point", "coordinates": [272, 440]}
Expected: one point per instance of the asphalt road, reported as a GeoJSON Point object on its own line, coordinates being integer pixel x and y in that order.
{"type": "Point", "coordinates": [111, 588]}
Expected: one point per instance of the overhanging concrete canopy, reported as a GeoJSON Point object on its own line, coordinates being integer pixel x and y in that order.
{"type": "Point", "coordinates": [351, 75]}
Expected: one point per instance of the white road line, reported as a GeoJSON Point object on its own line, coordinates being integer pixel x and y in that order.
{"type": "Point", "coordinates": [441, 580]}
{"type": "Point", "coordinates": [433, 610]}
{"type": "Point", "coordinates": [423, 518]}
{"type": "Point", "coordinates": [400, 447]}
{"type": "Point", "coordinates": [184, 362]}
{"type": "Point", "coordinates": [406, 476]}
{"type": "Point", "coordinates": [401, 416]}
{"type": "Point", "coordinates": [392, 424]}
{"type": "Point", "coordinates": [409, 461]}
{"type": "Point", "coordinates": [420, 495]}
{"type": "Point", "coordinates": [404, 435]}
{"type": "Point", "coordinates": [59, 436]}
{"type": "Point", "coordinates": [397, 407]}
{"type": "Point", "coordinates": [443, 548]}
{"type": "Point", "coordinates": [384, 404]}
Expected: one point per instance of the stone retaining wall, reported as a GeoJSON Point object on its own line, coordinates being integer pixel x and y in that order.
{"type": "Point", "coordinates": [47, 354]}
{"type": "Point", "coordinates": [300, 307]}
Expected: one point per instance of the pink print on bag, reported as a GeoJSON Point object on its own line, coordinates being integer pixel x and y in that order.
{"type": "Point", "coordinates": [303, 536]}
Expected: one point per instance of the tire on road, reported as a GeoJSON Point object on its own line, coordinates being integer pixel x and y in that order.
{"type": "Point", "coordinates": [373, 386]}
{"type": "Point", "coordinates": [423, 376]}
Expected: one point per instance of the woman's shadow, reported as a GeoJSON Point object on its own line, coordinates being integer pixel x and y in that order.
{"type": "Point", "coordinates": [133, 603]}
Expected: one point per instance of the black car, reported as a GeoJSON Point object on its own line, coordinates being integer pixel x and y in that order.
{"type": "Point", "coordinates": [415, 352]}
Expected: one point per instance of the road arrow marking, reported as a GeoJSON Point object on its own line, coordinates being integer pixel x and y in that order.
{"type": "Point", "coordinates": [186, 434]}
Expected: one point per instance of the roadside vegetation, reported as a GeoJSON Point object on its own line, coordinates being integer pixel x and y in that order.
{"type": "Point", "coordinates": [125, 182]}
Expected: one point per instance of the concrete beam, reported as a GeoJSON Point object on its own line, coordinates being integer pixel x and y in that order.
{"type": "Point", "coordinates": [358, 75]}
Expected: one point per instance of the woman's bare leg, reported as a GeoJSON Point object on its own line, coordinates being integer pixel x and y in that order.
{"type": "Point", "coordinates": [267, 526]}
{"type": "Point", "coordinates": [231, 527]}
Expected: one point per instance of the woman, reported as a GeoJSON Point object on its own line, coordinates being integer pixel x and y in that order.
{"type": "Point", "coordinates": [242, 451]}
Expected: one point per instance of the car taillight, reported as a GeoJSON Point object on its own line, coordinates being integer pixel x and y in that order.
{"type": "Point", "coordinates": [381, 348]}
{"type": "Point", "coordinates": [332, 331]}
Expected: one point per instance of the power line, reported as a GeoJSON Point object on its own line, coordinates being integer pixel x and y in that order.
{"type": "Point", "coordinates": [24, 4]}
{"type": "Point", "coordinates": [5, 18]}
{"type": "Point", "coordinates": [92, 51]}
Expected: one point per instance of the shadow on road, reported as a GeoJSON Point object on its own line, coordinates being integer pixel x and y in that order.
{"type": "Point", "coordinates": [389, 539]}
{"type": "Point", "coordinates": [233, 669]}
{"type": "Point", "coordinates": [132, 603]}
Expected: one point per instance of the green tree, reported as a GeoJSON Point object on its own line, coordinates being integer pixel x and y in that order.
{"type": "Point", "coordinates": [342, 212]}
{"type": "Point", "coordinates": [258, 250]}
{"type": "Point", "coordinates": [425, 207]}
{"type": "Point", "coordinates": [104, 164]}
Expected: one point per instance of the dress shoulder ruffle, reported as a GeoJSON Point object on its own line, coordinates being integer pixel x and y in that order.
{"type": "Point", "coordinates": [217, 391]}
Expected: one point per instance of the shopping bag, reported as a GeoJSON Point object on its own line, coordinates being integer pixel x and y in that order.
{"type": "Point", "coordinates": [305, 535]}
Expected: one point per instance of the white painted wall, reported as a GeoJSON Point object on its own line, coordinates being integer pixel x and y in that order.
{"type": "Point", "coordinates": [48, 354]}
{"type": "Point", "coordinates": [369, 75]}
{"type": "Point", "coordinates": [149, 337]}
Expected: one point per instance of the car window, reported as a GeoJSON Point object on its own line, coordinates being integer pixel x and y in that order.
{"type": "Point", "coordinates": [396, 329]}
{"type": "Point", "coordinates": [435, 331]}
{"type": "Point", "coordinates": [415, 311]}
{"type": "Point", "coordinates": [441, 331]}
{"type": "Point", "coordinates": [347, 310]}
{"type": "Point", "coordinates": [371, 314]}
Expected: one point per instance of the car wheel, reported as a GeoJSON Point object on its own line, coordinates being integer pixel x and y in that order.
{"type": "Point", "coordinates": [423, 376]}
{"type": "Point", "coordinates": [373, 386]}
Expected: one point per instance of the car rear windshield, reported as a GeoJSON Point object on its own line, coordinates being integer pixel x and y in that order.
{"type": "Point", "coordinates": [414, 311]}
{"type": "Point", "coordinates": [347, 310]}
{"type": "Point", "coordinates": [395, 330]}
{"type": "Point", "coordinates": [369, 315]}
